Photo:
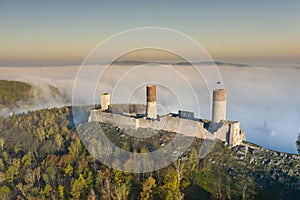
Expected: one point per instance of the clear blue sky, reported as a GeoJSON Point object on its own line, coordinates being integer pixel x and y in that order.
{"type": "Point", "coordinates": [59, 32]}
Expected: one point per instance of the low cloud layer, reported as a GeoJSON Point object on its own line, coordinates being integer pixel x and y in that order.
{"type": "Point", "coordinates": [265, 99]}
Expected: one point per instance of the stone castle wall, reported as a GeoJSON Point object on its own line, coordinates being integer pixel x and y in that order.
{"type": "Point", "coordinates": [228, 132]}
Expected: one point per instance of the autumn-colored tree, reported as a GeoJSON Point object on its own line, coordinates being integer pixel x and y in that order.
{"type": "Point", "coordinates": [13, 170]}
{"type": "Point", "coordinates": [4, 192]}
{"type": "Point", "coordinates": [68, 170]}
{"type": "Point", "coordinates": [57, 166]}
{"type": "Point", "coordinates": [75, 148]}
{"type": "Point", "coordinates": [2, 143]}
{"type": "Point", "coordinates": [148, 189]}
{"type": "Point", "coordinates": [121, 185]}
{"type": "Point", "coordinates": [61, 192]}
{"type": "Point", "coordinates": [23, 189]}
{"type": "Point", "coordinates": [30, 177]}
{"type": "Point", "coordinates": [92, 195]}
{"type": "Point", "coordinates": [2, 177]}
{"type": "Point", "coordinates": [46, 191]}
{"type": "Point", "coordinates": [5, 156]}
{"type": "Point", "coordinates": [26, 160]}
{"type": "Point", "coordinates": [171, 189]}
{"type": "Point", "coordinates": [77, 187]}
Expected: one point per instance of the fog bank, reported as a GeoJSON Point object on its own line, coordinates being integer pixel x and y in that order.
{"type": "Point", "coordinates": [265, 99]}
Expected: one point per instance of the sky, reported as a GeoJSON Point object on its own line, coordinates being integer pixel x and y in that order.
{"type": "Point", "coordinates": [64, 32]}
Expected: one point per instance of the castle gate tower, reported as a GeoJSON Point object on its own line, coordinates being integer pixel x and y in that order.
{"type": "Point", "coordinates": [219, 105]}
{"type": "Point", "coordinates": [105, 101]}
{"type": "Point", "coordinates": [151, 110]}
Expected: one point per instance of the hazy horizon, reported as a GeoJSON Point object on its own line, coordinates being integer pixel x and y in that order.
{"type": "Point", "coordinates": [239, 61]}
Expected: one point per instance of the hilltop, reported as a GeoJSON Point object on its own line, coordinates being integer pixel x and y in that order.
{"type": "Point", "coordinates": [42, 157]}
{"type": "Point", "coordinates": [16, 95]}
{"type": "Point", "coordinates": [12, 92]}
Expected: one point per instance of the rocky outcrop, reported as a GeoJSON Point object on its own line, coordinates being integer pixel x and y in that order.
{"type": "Point", "coordinates": [267, 167]}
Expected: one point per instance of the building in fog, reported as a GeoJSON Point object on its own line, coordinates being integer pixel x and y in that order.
{"type": "Point", "coordinates": [183, 122]}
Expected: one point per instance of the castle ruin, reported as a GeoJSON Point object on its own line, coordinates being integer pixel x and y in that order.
{"type": "Point", "coordinates": [182, 122]}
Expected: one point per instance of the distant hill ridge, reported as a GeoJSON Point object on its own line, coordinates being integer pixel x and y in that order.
{"type": "Point", "coordinates": [20, 95]}
{"type": "Point", "coordinates": [134, 62]}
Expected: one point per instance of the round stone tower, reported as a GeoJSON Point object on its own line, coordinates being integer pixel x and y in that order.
{"type": "Point", "coordinates": [219, 105]}
{"type": "Point", "coordinates": [151, 110]}
{"type": "Point", "coordinates": [105, 101]}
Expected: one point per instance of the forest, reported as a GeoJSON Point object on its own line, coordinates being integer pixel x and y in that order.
{"type": "Point", "coordinates": [12, 92]}
{"type": "Point", "coordinates": [15, 95]}
{"type": "Point", "coordinates": [42, 157]}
